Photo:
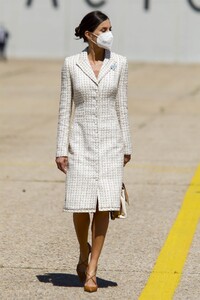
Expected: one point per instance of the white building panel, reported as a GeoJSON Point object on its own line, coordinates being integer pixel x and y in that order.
{"type": "Point", "coordinates": [167, 30]}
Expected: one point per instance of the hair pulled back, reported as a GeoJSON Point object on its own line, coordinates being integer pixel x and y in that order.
{"type": "Point", "coordinates": [89, 23]}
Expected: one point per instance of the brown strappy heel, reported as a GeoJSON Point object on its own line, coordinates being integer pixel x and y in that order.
{"type": "Point", "coordinates": [79, 268]}
{"type": "Point", "coordinates": [88, 288]}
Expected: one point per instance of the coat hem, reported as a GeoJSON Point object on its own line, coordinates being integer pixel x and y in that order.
{"type": "Point", "coordinates": [90, 210]}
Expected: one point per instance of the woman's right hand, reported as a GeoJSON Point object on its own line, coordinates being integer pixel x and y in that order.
{"type": "Point", "coordinates": [62, 163]}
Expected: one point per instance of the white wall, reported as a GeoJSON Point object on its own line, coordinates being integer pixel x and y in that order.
{"type": "Point", "coordinates": [169, 31]}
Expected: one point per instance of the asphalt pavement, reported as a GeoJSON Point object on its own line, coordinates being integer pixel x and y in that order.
{"type": "Point", "coordinates": [39, 250]}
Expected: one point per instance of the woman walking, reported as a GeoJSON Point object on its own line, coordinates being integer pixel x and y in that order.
{"type": "Point", "coordinates": [94, 145]}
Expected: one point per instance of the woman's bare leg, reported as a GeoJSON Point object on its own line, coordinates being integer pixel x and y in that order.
{"type": "Point", "coordinates": [99, 228]}
{"type": "Point", "coordinates": [81, 224]}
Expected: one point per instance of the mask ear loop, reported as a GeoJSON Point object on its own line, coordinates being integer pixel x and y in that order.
{"type": "Point", "coordinates": [93, 40]}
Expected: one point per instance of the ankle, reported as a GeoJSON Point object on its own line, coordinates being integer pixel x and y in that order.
{"type": "Point", "coordinates": [92, 267]}
{"type": "Point", "coordinates": [84, 251]}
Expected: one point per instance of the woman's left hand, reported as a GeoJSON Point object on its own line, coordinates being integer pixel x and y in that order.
{"type": "Point", "coordinates": [127, 157]}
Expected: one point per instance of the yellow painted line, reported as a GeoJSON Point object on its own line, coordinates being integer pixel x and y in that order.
{"type": "Point", "coordinates": [168, 268]}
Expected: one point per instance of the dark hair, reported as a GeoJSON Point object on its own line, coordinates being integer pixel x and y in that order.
{"type": "Point", "coordinates": [90, 22]}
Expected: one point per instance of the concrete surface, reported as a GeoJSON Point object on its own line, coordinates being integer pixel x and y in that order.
{"type": "Point", "coordinates": [38, 246]}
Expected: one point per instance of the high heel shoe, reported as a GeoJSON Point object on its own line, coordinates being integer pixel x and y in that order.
{"type": "Point", "coordinates": [80, 266]}
{"type": "Point", "coordinates": [88, 288]}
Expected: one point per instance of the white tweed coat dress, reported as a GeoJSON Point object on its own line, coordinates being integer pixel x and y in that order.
{"type": "Point", "coordinates": [93, 131]}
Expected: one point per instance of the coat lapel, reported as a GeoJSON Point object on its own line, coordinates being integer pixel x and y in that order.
{"type": "Point", "coordinates": [107, 65]}
{"type": "Point", "coordinates": [85, 66]}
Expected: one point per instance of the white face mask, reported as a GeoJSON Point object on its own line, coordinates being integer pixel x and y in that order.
{"type": "Point", "coordinates": [104, 40]}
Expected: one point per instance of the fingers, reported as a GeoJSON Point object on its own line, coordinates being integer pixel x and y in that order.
{"type": "Point", "coordinates": [62, 163]}
{"type": "Point", "coordinates": [125, 162]}
{"type": "Point", "coordinates": [127, 158]}
{"type": "Point", "coordinates": [62, 167]}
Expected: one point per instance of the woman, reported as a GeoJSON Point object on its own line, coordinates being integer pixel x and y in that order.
{"type": "Point", "coordinates": [94, 149]}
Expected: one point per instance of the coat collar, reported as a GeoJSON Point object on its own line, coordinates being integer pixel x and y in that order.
{"type": "Point", "coordinates": [85, 66]}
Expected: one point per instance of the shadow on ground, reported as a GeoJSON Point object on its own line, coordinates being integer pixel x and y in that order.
{"type": "Point", "coordinates": [70, 280]}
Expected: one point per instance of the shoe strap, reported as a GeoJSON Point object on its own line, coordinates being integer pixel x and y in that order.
{"type": "Point", "coordinates": [85, 262]}
{"type": "Point", "coordinates": [91, 277]}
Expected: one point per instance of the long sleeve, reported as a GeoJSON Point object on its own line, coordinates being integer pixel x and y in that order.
{"type": "Point", "coordinates": [65, 110]}
{"type": "Point", "coordinates": [122, 107]}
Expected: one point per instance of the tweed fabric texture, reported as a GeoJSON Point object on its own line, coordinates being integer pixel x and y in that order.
{"type": "Point", "coordinates": [93, 131]}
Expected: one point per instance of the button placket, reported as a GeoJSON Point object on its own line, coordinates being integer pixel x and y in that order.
{"type": "Point", "coordinates": [97, 133]}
